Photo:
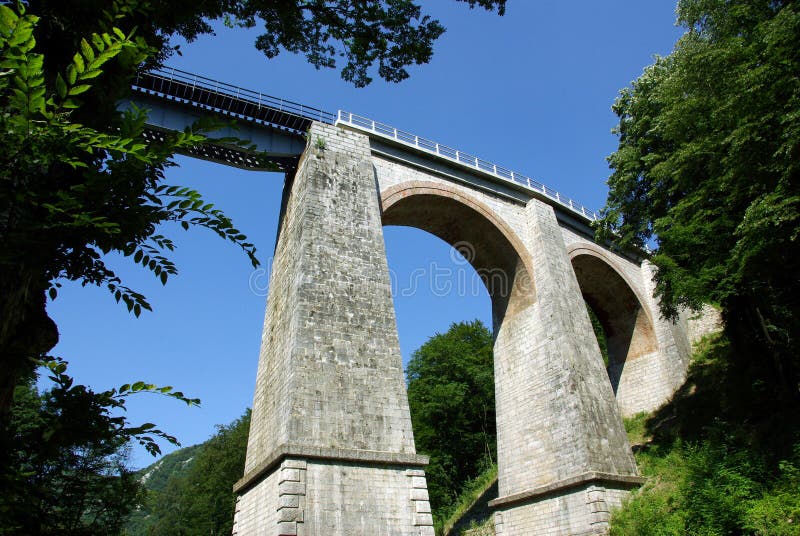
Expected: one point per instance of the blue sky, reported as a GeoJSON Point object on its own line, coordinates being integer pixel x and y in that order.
{"type": "Point", "coordinates": [531, 91]}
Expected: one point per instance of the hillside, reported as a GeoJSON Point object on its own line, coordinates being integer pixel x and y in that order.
{"type": "Point", "coordinates": [720, 458]}
{"type": "Point", "coordinates": [189, 492]}
{"type": "Point", "coordinates": [173, 466]}
{"type": "Point", "coordinates": [470, 514]}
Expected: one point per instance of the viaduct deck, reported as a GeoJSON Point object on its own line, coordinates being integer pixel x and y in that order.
{"type": "Point", "coordinates": [277, 128]}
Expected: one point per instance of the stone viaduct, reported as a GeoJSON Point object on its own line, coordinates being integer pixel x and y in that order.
{"type": "Point", "coordinates": [331, 449]}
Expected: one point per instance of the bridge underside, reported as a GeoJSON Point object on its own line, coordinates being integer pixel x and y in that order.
{"type": "Point", "coordinates": [260, 148]}
{"type": "Point", "coordinates": [271, 131]}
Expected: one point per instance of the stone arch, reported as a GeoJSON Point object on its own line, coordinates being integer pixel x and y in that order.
{"type": "Point", "coordinates": [627, 323]}
{"type": "Point", "coordinates": [486, 242]}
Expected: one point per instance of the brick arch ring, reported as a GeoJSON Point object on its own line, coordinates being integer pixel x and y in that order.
{"type": "Point", "coordinates": [585, 248]}
{"type": "Point", "coordinates": [396, 193]}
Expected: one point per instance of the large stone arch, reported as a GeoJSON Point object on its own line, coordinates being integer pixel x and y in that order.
{"type": "Point", "coordinates": [626, 321]}
{"type": "Point", "coordinates": [485, 241]}
{"type": "Point", "coordinates": [550, 384]}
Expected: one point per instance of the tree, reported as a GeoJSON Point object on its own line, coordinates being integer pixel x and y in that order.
{"type": "Point", "coordinates": [198, 500]}
{"type": "Point", "coordinates": [63, 461]}
{"type": "Point", "coordinates": [70, 193]}
{"type": "Point", "coordinates": [77, 178]}
{"type": "Point", "coordinates": [451, 396]}
{"type": "Point", "coordinates": [707, 172]}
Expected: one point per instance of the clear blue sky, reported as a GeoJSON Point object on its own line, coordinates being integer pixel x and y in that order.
{"type": "Point", "coordinates": [531, 91]}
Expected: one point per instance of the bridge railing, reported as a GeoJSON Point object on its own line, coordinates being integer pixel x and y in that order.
{"type": "Point", "coordinates": [229, 99]}
{"type": "Point", "coordinates": [259, 107]}
{"type": "Point", "coordinates": [462, 158]}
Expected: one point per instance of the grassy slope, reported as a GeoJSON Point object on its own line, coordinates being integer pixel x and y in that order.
{"type": "Point", "coordinates": [722, 457]}
{"type": "Point", "coordinates": [470, 513]}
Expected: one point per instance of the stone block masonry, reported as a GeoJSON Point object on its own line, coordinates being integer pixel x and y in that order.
{"type": "Point", "coordinates": [559, 427]}
{"type": "Point", "coordinates": [331, 450]}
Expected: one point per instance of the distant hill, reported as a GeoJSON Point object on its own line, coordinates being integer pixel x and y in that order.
{"type": "Point", "coordinates": [173, 465]}
{"type": "Point", "coordinates": [189, 491]}
{"type": "Point", "coordinates": [155, 478]}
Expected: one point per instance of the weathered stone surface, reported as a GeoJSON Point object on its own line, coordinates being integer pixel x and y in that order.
{"type": "Point", "coordinates": [331, 450]}
{"type": "Point", "coordinates": [701, 323]}
{"type": "Point", "coordinates": [330, 391]}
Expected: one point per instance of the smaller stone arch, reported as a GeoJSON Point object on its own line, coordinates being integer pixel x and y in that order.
{"type": "Point", "coordinates": [626, 321]}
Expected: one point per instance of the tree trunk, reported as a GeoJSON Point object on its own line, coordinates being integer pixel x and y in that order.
{"type": "Point", "coordinates": [26, 332]}
{"type": "Point", "coordinates": [749, 332]}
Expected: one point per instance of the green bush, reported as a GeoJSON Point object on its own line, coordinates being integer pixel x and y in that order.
{"type": "Point", "coordinates": [650, 511]}
{"type": "Point", "coordinates": [777, 511]}
{"type": "Point", "coordinates": [655, 508]}
{"type": "Point", "coordinates": [719, 459]}
{"type": "Point", "coordinates": [721, 481]}
{"type": "Point", "coordinates": [711, 488]}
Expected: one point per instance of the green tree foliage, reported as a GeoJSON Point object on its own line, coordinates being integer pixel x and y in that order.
{"type": "Point", "coordinates": [451, 396]}
{"type": "Point", "coordinates": [197, 499]}
{"type": "Point", "coordinates": [63, 458]}
{"type": "Point", "coordinates": [69, 195]}
{"type": "Point", "coordinates": [390, 34]}
{"type": "Point", "coordinates": [707, 170]}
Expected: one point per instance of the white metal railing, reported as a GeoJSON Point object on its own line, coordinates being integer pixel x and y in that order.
{"type": "Point", "coordinates": [462, 158]}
